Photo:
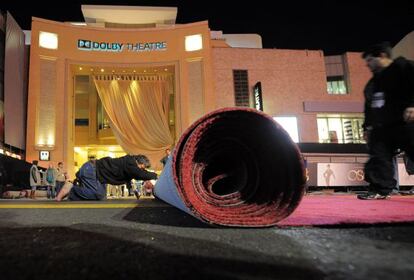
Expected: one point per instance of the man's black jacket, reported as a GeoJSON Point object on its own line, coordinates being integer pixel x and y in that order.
{"type": "Point", "coordinates": [117, 171]}
{"type": "Point", "coordinates": [396, 82]}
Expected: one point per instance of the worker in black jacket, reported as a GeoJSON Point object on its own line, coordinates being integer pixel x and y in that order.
{"type": "Point", "coordinates": [92, 177]}
{"type": "Point", "coordinates": [389, 117]}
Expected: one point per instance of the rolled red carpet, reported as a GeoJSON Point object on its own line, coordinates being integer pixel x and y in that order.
{"type": "Point", "coordinates": [234, 167]}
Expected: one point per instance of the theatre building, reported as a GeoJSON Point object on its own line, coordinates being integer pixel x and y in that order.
{"type": "Point", "coordinates": [131, 80]}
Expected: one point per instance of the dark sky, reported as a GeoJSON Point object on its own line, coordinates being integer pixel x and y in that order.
{"type": "Point", "coordinates": [333, 26]}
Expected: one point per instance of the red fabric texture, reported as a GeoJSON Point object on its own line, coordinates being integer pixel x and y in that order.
{"type": "Point", "coordinates": [319, 210]}
{"type": "Point", "coordinates": [238, 167]}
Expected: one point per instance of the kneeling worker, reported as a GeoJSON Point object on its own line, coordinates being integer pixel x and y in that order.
{"type": "Point", "coordinates": [94, 174]}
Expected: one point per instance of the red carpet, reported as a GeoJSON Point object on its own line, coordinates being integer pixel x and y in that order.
{"type": "Point", "coordinates": [317, 210]}
{"type": "Point", "coordinates": [234, 167]}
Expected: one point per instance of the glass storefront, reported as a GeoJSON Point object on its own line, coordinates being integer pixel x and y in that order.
{"type": "Point", "coordinates": [341, 129]}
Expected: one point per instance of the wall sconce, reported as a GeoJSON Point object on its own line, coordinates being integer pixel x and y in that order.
{"type": "Point", "coordinates": [193, 43]}
{"type": "Point", "coordinates": [48, 40]}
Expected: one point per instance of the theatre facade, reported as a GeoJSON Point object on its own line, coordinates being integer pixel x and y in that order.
{"type": "Point", "coordinates": [97, 91]}
{"type": "Point", "coordinates": [116, 85]}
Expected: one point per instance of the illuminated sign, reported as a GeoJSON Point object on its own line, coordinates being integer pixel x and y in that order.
{"type": "Point", "coordinates": [87, 45]}
{"type": "Point", "coordinates": [257, 96]}
{"type": "Point", "coordinates": [44, 155]}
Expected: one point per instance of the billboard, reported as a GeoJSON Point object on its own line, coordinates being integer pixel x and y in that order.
{"type": "Point", "coordinates": [351, 174]}
{"type": "Point", "coordinates": [341, 174]}
{"type": "Point", "coordinates": [404, 178]}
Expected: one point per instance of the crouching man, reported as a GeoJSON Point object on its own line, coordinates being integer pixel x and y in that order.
{"type": "Point", "coordinates": [95, 174]}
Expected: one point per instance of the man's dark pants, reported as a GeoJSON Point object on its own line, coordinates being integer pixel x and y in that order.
{"type": "Point", "coordinates": [384, 141]}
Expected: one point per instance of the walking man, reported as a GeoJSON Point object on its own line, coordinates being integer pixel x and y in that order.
{"type": "Point", "coordinates": [389, 117]}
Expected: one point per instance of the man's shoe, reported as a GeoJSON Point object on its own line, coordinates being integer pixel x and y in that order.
{"type": "Point", "coordinates": [372, 196]}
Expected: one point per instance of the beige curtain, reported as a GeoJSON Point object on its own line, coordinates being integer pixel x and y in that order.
{"type": "Point", "coordinates": [138, 109]}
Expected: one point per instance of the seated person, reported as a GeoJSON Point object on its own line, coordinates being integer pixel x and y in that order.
{"type": "Point", "coordinates": [94, 174]}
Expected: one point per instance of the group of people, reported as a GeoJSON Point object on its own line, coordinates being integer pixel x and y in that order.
{"type": "Point", "coordinates": [93, 176]}
{"type": "Point", "coordinates": [52, 178]}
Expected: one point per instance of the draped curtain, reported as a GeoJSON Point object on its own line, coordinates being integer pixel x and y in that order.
{"type": "Point", "coordinates": [138, 111]}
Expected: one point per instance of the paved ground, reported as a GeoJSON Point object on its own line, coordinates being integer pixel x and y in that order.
{"type": "Point", "coordinates": [125, 239]}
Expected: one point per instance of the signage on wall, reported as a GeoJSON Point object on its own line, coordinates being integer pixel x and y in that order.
{"type": "Point", "coordinates": [88, 45]}
{"type": "Point", "coordinates": [257, 96]}
{"type": "Point", "coordinates": [44, 155]}
{"type": "Point", "coordinates": [341, 174]}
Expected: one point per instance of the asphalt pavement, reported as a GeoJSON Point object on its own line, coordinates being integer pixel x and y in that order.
{"type": "Point", "coordinates": [147, 239]}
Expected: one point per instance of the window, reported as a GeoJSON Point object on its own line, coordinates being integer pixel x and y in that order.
{"type": "Point", "coordinates": [81, 100]}
{"type": "Point", "coordinates": [336, 74]}
{"type": "Point", "coordinates": [336, 85]}
{"type": "Point", "coordinates": [290, 124]}
{"type": "Point", "coordinates": [340, 129]}
{"type": "Point", "coordinates": [241, 88]}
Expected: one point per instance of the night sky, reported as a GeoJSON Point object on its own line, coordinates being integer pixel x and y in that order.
{"type": "Point", "coordinates": [332, 26]}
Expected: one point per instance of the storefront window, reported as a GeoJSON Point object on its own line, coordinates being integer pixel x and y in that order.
{"type": "Point", "coordinates": [340, 129]}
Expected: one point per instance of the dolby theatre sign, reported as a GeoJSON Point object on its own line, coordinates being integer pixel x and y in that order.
{"type": "Point", "coordinates": [88, 45]}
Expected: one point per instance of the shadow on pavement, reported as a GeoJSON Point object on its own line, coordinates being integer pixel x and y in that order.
{"type": "Point", "coordinates": [67, 253]}
{"type": "Point", "coordinates": [166, 216]}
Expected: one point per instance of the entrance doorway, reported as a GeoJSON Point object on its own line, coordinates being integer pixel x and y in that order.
{"type": "Point", "coordinates": [110, 127]}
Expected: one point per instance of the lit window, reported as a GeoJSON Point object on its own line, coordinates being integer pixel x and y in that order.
{"type": "Point", "coordinates": [48, 40]}
{"type": "Point", "coordinates": [336, 85]}
{"type": "Point", "coordinates": [193, 43]}
{"type": "Point", "coordinates": [340, 129]}
{"type": "Point", "coordinates": [290, 124]}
